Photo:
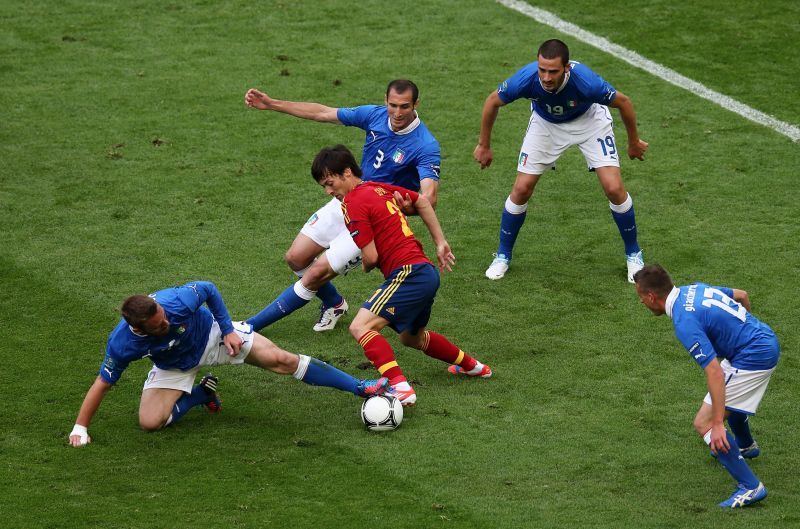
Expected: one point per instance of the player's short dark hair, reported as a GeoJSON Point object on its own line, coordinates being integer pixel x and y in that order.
{"type": "Point", "coordinates": [138, 309]}
{"type": "Point", "coordinates": [401, 86]}
{"type": "Point", "coordinates": [333, 160]}
{"type": "Point", "coordinates": [553, 48]}
{"type": "Point", "coordinates": [653, 278]}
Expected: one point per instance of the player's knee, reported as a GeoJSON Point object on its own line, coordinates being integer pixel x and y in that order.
{"type": "Point", "coordinates": [357, 330]}
{"type": "Point", "coordinates": [319, 274]}
{"type": "Point", "coordinates": [701, 426]}
{"type": "Point", "coordinates": [295, 260]}
{"type": "Point", "coordinates": [616, 193]}
{"type": "Point", "coordinates": [411, 340]}
{"type": "Point", "coordinates": [151, 422]}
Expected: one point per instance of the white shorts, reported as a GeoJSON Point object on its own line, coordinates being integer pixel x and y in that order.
{"type": "Point", "coordinates": [743, 389]}
{"type": "Point", "coordinates": [326, 227]}
{"type": "Point", "coordinates": [215, 354]}
{"type": "Point", "coordinates": [545, 142]}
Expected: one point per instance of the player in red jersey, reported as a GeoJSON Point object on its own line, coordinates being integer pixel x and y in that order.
{"type": "Point", "coordinates": [374, 214]}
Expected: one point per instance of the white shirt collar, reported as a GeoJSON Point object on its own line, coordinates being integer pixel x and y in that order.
{"type": "Point", "coordinates": [673, 295]}
{"type": "Point", "coordinates": [136, 333]}
{"type": "Point", "coordinates": [408, 130]}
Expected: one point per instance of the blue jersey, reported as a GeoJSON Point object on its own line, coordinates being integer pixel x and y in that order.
{"type": "Point", "coordinates": [709, 324]}
{"type": "Point", "coordinates": [184, 344]}
{"type": "Point", "coordinates": [582, 89]}
{"type": "Point", "coordinates": [403, 158]}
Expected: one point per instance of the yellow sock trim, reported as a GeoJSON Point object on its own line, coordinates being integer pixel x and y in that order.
{"type": "Point", "coordinates": [460, 357]}
{"type": "Point", "coordinates": [387, 366]}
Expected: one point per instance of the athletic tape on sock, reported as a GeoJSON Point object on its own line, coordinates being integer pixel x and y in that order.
{"type": "Point", "coordinates": [302, 367]}
{"type": "Point", "coordinates": [622, 208]}
{"type": "Point", "coordinates": [303, 292]}
{"type": "Point", "coordinates": [515, 209]}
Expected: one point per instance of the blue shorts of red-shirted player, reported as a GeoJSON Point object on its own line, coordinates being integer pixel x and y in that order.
{"type": "Point", "coordinates": [406, 297]}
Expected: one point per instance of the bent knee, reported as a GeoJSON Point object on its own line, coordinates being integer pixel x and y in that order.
{"type": "Point", "coordinates": [152, 423]}
{"type": "Point", "coordinates": [296, 260]}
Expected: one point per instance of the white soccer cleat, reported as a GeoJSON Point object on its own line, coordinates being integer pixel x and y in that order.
{"type": "Point", "coordinates": [635, 262]}
{"type": "Point", "coordinates": [328, 317]}
{"type": "Point", "coordinates": [498, 268]}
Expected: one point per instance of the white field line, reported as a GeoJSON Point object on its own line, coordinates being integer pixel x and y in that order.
{"type": "Point", "coordinates": [673, 77]}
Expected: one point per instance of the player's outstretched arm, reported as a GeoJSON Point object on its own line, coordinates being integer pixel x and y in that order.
{"type": "Point", "coordinates": [636, 146]}
{"type": "Point", "coordinates": [483, 151]}
{"type": "Point", "coordinates": [91, 402]}
{"type": "Point", "coordinates": [443, 253]}
{"type": "Point", "coordinates": [255, 98]}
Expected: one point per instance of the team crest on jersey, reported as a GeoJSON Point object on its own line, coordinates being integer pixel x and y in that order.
{"type": "Point", "coordinates": [380, 191]}
{"type": "Point", "coordinates": [181, 329]}
{"type": "Point", "coordinates": [312, 219]}
{"type": "Point", "coordinates": [398, 156]}
{"type": "Point", "coordinates": [572, 104]}
{"type": "Point", "coordinates": [523, 158]}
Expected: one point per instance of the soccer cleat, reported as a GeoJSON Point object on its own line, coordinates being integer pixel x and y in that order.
{"type": "Point", "coordinates": [498, 268]}
{"type": "Point", "coordinates": [370, 387]}
{"type": "Point", "coordinates": [328, 317]}
{"type": "Point", "coordinates": [751, 451]}
{"type": "Point", "coordinates": [743, 497]}
{"type": "Point", "coordinates": [209, 384]}
{"type": "Point", "coordinates": [407, 397]}
{"type": "Point", "coordinates": [635, 262]}
{"type": "Point", "coordinates": [485, 371]}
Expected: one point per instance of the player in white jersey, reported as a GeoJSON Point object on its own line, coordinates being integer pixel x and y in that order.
{"type": "Point", "coordinates": [398, 149]}
{"type": "Point", "coordinates": [738, 354]}
{"type": "Point", "coordinates": [569, 106]}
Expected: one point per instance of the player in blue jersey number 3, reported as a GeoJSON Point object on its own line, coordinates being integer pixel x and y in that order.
{"type": "Point", "coordinates": [569, 106]}
{"type": "Point", "coordinates": [738, 354]}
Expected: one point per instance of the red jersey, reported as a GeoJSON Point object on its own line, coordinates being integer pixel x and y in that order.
{"type": "Point", "coordinates": [371, 213]}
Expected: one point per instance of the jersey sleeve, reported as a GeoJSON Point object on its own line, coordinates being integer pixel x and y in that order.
{"type": "Point", "coordinates": [112, 367]}
{"type": "Point", "coordinates": [696, 342]}
{"type": "Point", "coordinates": [593, 87]}
{"type": "Point", "coordinates": [356, 216]}
{"type": "Point", "coordinates": [198, 292]}
{"type": "Point", "coordinates": [518, 85]}
{"type": "Point", "coordinates": [430, 161]}
{"type": "Point", "coordinates": [356, 116]}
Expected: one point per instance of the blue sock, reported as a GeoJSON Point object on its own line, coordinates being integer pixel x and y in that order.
{"type": "Point", "coordinates": [510, 224]}
{"type": "Point", "coordinates": [625, 218]}
{"type": "Point", "coordinates": [318, 373]}
{"type": "Point", "coordinates": [329, 295]}
{"type": "Point", "coordinates": [741, 428]}
{"type": "Point", "coordinates": [288, 302]}
{"type": "Point", "coordinates": [188, 401]}
{"type": "Point", "coordinates": [736, 466]}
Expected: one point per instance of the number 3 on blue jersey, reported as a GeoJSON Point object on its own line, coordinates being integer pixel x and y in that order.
{"type": "Point", "coordinates": [724, 302]}
{"type": "Point", "coordinates": [378, 159]}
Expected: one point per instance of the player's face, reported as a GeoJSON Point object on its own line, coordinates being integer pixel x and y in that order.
{"type": "Point", "coordinates": [401, 109]}
{"type": "Point", "coordinates": [157, 325]}
{"type": "Point", "coordinates": [338, 186]}
{"type": "Point", "coordinates": [651, 301]}
{"type": "Point", "coordinates": [551, 73]}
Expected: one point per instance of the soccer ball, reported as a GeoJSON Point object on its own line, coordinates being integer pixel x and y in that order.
{"type": "Point", "coordinates": [380, 413]}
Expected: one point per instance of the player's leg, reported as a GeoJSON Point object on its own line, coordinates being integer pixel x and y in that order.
{"type": "Point", "coordinates": [439, 347]}
{"type": "Point", "coordinates": [266, 355]}
{"type": "Point", "coordinates": [599, 148]}
{"type": "Point", "coordinates": [537, 154]}
{"type": "Point", "coordinates": [342, 257]}
{"type": "Point", "coordinates": [740, 426]}
{"type": "Point", "coordinates": [300, 255]}
{"type": "Point", "coordinates": [168, 395]}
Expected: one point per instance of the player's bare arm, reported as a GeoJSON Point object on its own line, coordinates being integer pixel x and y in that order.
{"type": "Point", "coordinates": [636, 146]}
{"type": "Point", "coordinates": [257, 99]}
{"type": "Point", "coordinates": [740, 296]}
{"type": "Point", "coordinates": [443, 253]}
{"type": "Point", "coordinates": [429, 188]}
{"type": "Point", "coordinates": [715, 379]}
{"type": "Point", "coordinates": [369, 256]}
{"type": "Point", "coordinates": [91, 402]}
{"type": "Point", "coordinates": [483, 151]}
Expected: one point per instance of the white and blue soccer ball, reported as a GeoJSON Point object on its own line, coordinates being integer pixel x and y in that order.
{"type": "Point", "coordinates": [380, 413]}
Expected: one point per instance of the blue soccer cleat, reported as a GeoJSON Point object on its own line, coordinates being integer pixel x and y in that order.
{"type": "Point", "coordinates": [743, 497]}
{"type": "Point", "coordinates": [370, 387]}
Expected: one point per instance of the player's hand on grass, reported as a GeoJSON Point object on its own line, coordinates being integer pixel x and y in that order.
{"type": "Point", "coordinates": [719, 439]}
{"type": "Point", "coordinates": [637, 150]}
{"type": "Point", "coordinates": [233, 343]}
{"type": "Point", "coordinates": [79, 436]}
{"type": "Point", "coordinates": [484, 156]}
{"type": "Point", "coordinates": [445, 257]}
{"type": "Point", "coordinates": [405, 203]}
{"type": "Point", "coordinates": [257, 99]}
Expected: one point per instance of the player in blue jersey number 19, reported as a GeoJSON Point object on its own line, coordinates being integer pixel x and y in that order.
{"type": "Point", "coordinates": [569, 106]}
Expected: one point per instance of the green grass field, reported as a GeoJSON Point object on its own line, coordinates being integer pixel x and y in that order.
{"type": "Point", "coordinates": [129, 163]}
